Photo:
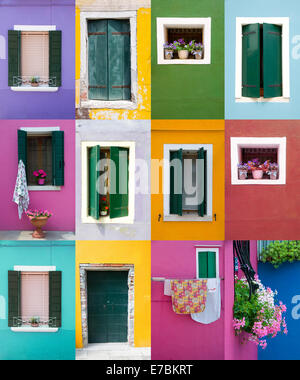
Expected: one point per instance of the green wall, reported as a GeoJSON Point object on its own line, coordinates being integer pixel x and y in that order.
{"type": "Point", "coordinates": [189, 91]}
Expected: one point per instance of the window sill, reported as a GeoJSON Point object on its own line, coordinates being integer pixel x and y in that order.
{"type": "Point", "coordinates": [107, 220]}
{"type": "Point", "coordinates": [263, 100]}
{"type": "Point", "coordinates": [122, 104]}
{"type": "Point", "coordinates": [258, 182]}
{"type": "Point", "coordinates": [34, 89]}
{"type": "Point", "coordinates": [44, 188]}
{"type": "Point", "coordinates": [184, 62]}
{"type": "Point", "coordinates": [34, 329]}
{"type": "Point", "coordinates": [187, 218]}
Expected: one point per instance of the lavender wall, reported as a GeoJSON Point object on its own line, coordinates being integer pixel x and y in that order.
{"type": "Point", "coordinates": [40, 105]}
{"type": "Point", "coordinates": [133, 131]}
{"type": "Point", "coordinates": [61, 203]}
{"type": "Point", "coordinates": [177, 337]}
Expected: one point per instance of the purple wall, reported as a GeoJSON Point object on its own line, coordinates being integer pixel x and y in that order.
{"type": "Point", "coordinates": [41, 105]}
{"type": "Point", "coordinates": [176, 337]}
{"type": "Point", "coordinates": [61, 203]}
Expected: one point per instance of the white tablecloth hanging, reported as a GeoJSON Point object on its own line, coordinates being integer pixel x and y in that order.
{"type": "Point", "coordinates": [21, 196]}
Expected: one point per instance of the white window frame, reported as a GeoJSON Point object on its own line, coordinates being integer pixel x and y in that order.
{"type": "Point", "coordinates": [85, 218]}
{"type": "Point", "coordinates": [28, 329]}
{"type": "Point", "coordinates": [166, 183]}
{"type": "Point", "coordinates": [216, 250]}
{"type": "Point", "coordinates": [284, 22]}
{"type": "Point", "coordinates": [237, 143]}
{"type": "Point", "coordinates": [112, 104]}
{"type": "Point", "coordinates": [39, 131]}
{"type": "Point", "coordinates": [163, 23]}
{"type": "Point", "coordinates": [34, 28]}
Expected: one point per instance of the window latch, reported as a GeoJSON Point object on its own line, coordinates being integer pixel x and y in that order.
{"type": "Point", "coordinates": [215, 217]}
{"type": "Point", "coordinates": [159, 217]}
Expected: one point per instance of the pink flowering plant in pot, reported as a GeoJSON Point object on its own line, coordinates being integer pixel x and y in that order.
{"type": "Point", "coordinates": [38, 219]}
{"type": "Point", "coordinates": [41, 176]}
{"type": "Point", "coordinates": [259, 317]}
{"type": "Point", "coordinates": [258, 169]}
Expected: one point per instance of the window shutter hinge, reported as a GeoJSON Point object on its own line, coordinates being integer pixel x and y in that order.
{"type": "Point", "coordinates": [215, 217]}
{"type": "Point", "coordinates": [159, 217]}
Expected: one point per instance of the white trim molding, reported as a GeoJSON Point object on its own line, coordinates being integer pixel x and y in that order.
{"type": "Point", "coordinates": [34, 89]}
{"type": "Point", "coordinates": [29, 329]}
{"type": "Point", "coordinates": [193, 217]}
{"type": "Point", "coordinates": [162, 24]}
{"type": "Point", "coordinates": [24, 268]}
{"type": "Point", "coordinates": [238, 143]}
{"type": "Point", "coordinates": [85, 218]}
{"type": "Point", "coordinates": [216, 250]}
{"type": "Point", "coordinates": [84, 82]}
{"type": "Point", "coordinates": [284, 22]}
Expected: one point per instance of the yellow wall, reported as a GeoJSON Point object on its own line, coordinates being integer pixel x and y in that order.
{"type": "Point", "coordinates": [189, 132]}
{"type": "Point", "coordinates": [137, 253]}
{"type": "Point", "coordinates": [143, 111]}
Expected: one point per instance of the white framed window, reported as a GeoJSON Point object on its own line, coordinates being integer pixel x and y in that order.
{"type": "Point", "coordinates": [261, 85]}
{"type": "Point", "coordinates": [34, 59]}
{"type": "Point", "coordinates": [198, 29]}
{"type": "Point", "coordinates": [121, 209]}
{"type": "Point", "coordinates": [188, 182]}
{"type": "Point", "coordinates": [207, 262]}
{"type": "Point", "coordinates": [249, 148]}
{"type": "Point", "coordinates": [107, 92]}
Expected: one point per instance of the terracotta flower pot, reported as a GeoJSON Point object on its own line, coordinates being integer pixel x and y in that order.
{"type": "Point", "coordinates": [257, 174]}
{"type": "Point", "coordinates": [38, 223]}
{"type": "Point", "coordinates": [183, 54]}
{"type": "Point", "coordinates": [34, 325]}
{"type": "Point", "coordinates": [34, 84]}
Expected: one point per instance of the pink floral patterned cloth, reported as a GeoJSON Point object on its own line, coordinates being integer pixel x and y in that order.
{"type": "Point", "coordinates": [21, 196]}
{"type": "Point", "coordinates": [188, 296]}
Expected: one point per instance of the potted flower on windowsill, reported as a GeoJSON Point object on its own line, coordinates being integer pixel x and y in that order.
{"type": "Point", "coordinates": [35, 322]}
{"type": "Point", "coordinates": [38, 219]}
{"type": "Point", "coordinates": [197, 49]}
{"type": "Point", "coordinates": [243, 171]}
{"type": "Point", "coordinates": [104, 207]}
{"type": "Point", "coordinates": [183, 49]}
{"type": "Point", "coordinates": [257, 168]}
{"type": "Point", "coordinates": [41, 176]}
{"type": "Point", "coordinates": [273, 170]}
{"type": "Point", "coordinates": [35, 82]}
{"type": "Point", "coordinates": [169, 50]}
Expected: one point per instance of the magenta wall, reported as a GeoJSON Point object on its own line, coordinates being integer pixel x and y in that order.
{"type": "Point", "coordinates": [61, 203]}
{"type": "Point", "coordinates": [176, 337]}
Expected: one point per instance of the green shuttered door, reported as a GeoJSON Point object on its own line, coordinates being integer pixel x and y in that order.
{"type": "Point", "coordinates": [14, 56]}
{"type": "Point", "coordinates": [272, 60]}
{"type": "Point", "coordinates": [176, 182]}
{"type": "Point", "coordinates": [119, 182]}
{"type": "Point", "coordinates": [55, 58]}
{"type": "Point", "coordinates": [94, 174]}
{"type": "Point", "coordinates": [202, 155]}
{"type": "Point", "coordinates": [107, 306]}
{"type": "Point", "coordinates": [14, 297]}
{"type": "Point", "coordinates": [55, 283]}
{"type": "Point", "coordinates": [58, 158]}
{"type": "Point", "coordinates": [109, 65]}
{"type": "Point", "coordinates": [207, 264]}
{"type": "Point", "coordinates": [251, 61]}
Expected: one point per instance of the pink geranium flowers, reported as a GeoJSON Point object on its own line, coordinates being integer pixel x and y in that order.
{"type": "Point", "coordinates": [40, 174]}
{"type": "Point", "coordinates": [38, 213]}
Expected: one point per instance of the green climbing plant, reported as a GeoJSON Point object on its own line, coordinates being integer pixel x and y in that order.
{"type": "Point", "coordinates": [280, 252]}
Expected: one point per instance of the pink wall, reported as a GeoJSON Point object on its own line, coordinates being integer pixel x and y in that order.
{"type": "Point", "coordinates": [61, 203]}
{"type": "Point", "coordinates": [176, 337]}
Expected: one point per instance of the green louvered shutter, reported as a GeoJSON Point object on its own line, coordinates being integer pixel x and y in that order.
{"type": "Point", "coordinates": [97, 60]}
{"type": "Point", "coordinates": [272, 60]}
{"type": "Point", "coordinates": [94, 174]}
{"type": "Point", "coordinates": [22, 147]}
{"type": "Point", "coordinates": [55, 58]}
{"type": "Point", "coordinates": [55, 282]}
{"type": "Point", "coordinates": [118, 196]}
{"type": "Point", "coordinates": [207, 264]}
{"type": "Point", "coordinates": [14, 297]}
{"type": "Point", "coordinates": [14, 56]}
{"type": "Point", "coordinates": [202, 208]}
{"type": "Point", "coordinates": [251, 61]}
{"type": "Point", "coordinates": [58, 161]}
{"type": "Point", "coordinates": [176, 182]}
{"type": "Point", "coordinates": [119, 60]}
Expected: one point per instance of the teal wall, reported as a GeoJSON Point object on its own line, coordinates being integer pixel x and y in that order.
{"type": "Point", "coordinates": [189, 91]}
{"type": "Point", "coordinates": [39, 346]}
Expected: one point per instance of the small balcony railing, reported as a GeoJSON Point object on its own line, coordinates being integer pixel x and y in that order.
{"type": "Point", "coordinates": [42, 322]}
{"type": "Point", "coordinates": [26, 81]}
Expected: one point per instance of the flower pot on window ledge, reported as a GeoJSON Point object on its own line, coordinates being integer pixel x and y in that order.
{"type": "Point", "coordinates": [183, 54]}
{"type": "Point", "coordinates": [103, 213]}
{"type": "Point", "coordinates": [198, 54]}
{"type": "Point", "coordinates": [34, 84]}
{"type": "Point", "coordinates": [273, 175]}
{"type": "Point", "coordinates": [41, 181]}
{"type": "Point", "coordinates": [243, 174]}
{"type": "Point", "coordinates": [168, 54]}
{"type": "Point", "coordinates": [38, 223]}
{"type": "Point", "coordinates": [257, 174]}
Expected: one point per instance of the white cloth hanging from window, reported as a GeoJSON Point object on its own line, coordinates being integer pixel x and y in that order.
{"type": "Point", "coordinates": [21, 195]}
{"type": "Point", "coordinates": [212, 310]}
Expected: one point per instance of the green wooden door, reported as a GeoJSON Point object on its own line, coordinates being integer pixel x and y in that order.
{"type": "Point", "coordinates": [107, 306]}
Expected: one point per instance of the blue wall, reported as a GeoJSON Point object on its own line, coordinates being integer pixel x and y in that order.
{"type": "Point", "coordinates": [259, 8]}
{"type": "Point", "coordinates": [285, 280]}
{"type": "Point", "coordinates": [39, 346]}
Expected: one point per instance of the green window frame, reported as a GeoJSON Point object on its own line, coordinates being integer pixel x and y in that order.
{"type": "Point", "coordinates": [207, 261]}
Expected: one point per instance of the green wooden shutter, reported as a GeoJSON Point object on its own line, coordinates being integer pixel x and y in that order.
{"type": "Point", "coordinates": [202, 155]}
{"type": "Point", "coordinates": [55, 58]}
{"type": "Point", "coordinates": [22, 147]}
{"type": "Point", "coordinates": [207, 265]}
{"type": "Point", "coordinates": [94, 174]}
{"type": "Point", "coordinates": [119, 182]}
{"type": "Point", "coordinates": [14, 57]}
{"type": "Point", "coordinates": [55, 282]}
{"type": "Point", "coordinates": [272, 60]}
{"type": "Point", "coordinates": [58, 162]}
{"type": "Point", "coordinates": [176, 182]}
{"type": "Point", "coordinates": [251, 61]}
{"type": "Point", "coordinates": [14, 297]}
{"type": "Point", "coordinates": [97, 60]}
{"type": "Point", "coordinates": [119, 60]}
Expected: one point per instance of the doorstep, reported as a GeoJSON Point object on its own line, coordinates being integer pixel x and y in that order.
{"type": "Point", "coordinates": [27, 235]}
{"type": "Point", "coordinates": [113, 351]}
